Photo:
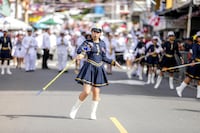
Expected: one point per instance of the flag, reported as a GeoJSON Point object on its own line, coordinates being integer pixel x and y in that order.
{"type": "Point", "coordinates": [154, 20]}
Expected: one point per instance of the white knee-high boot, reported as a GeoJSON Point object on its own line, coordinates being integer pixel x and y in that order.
{"type": "Point", "coordinates": [8, 70]}
{"type": "Point", "coordinates": [2, 69]}
{"type": "Point", "coordinates": [198, 91]}
{"type": "Point", "coordinates": [159, 79]}
{"type": "Point", "coordinates": [153, 78]}
{"type": "Point", "coordinates": [180, 89]}
{"type": "Point", "coordinates": [149, 78]}
{"type": "Point", "coordinates": [171, 84]}
{"type": "Point", "coordinates": [129, 72]}
{"type": "Point", "coordinates": [75, 108]}
{"type": "Point", "coordinates": [94, 109]}
{"type": "Point", "coordinates": [140, 69]}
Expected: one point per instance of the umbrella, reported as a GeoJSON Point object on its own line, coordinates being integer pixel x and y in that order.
{"type": "Point", "coordinates": [40, 26]}
{"type": "Point", "coordinates": [49, 21]}
{"type": "Point", "coordinates": [13, 24]}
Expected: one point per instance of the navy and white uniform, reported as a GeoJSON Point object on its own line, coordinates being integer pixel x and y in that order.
{"type": "Point", "coordinates": [140, 51]}
{"type": "Point", "coordinates": [6, 47]}
{"type": "Point", "coordinates": [93, 71]}
{"type": "Point", "coordinates": [153, 60]}
{"type": "Point", "coordinates": [194, 71]}
{"type": "Point", "coordinates": [168, 59]}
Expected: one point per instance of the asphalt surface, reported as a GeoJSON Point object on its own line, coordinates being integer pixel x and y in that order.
{"type": "Point", "coordinates": [136, 107]}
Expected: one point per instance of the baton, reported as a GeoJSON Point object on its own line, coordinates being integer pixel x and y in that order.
{"type": "Point", "coordinates": [57, 76]}
{"type": "Point", "coordinates": [180, 66]}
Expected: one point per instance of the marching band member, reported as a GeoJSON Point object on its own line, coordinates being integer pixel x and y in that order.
{"type": "Point", "coordinates": [46, 45]}
{"type": "Point", "coordinates": [153, 51]}
{"type": "Point", "coordinates": [31, 45]}
{"type": "Point", "coordinates": [19, 50]}
{"type": "Point", "coordinates": [170, 47]}
{"type": "Point", "coordinates": [110, 43]}
{"type": "Point", "coordinates": [92, 74]}
{"type": "Point", "coordinates": [5, 54]}
{"type": "Point", "coordinates": [62, 50]}
{"type": "Point", "coordinates": [128, 53]}
{"type": "Point", "coordinates": [139, 53]}
{"type": "Point", "coordinates": [193, 71]}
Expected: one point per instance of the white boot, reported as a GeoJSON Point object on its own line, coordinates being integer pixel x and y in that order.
{"type": "Point", "coordinates": [140, 69]}
{"type": "Point", "coordinates": [153, 78]}
{"type": "Point", "coordinates": [8, 70]}
{"type": "Point", "coordinates": [2, 69]}
{"type": "Point", "coordinates": [75, 108]}
{"type": "Point", "coordinates": [198, 91]}
{"type": "Point", "coordinates": [180, 89]}
{"type": "Point", "coordinates": [159, 79]}
{"type": "Point", "coordinates": [171, 85]}
{"type": "Point", "coordinates": [94, 109]}
{"type": "Point", "coordinates": [149, 79]}
{"type": "Point", "coordinates": [129, 72]}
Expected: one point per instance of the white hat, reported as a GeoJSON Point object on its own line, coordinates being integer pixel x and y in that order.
{"type": "Point", "coordinates": [198, 33]}
{"type": "Point", "coordinates": [155, 37]}
{"type": "Point", "coordinates": [129, 36]}
{"type": "Point", "coordinates": [141, 35]}
{"type": "Point", "coordinates": [170, 33]}
{"type": "Point", "coordinates": [5, 30]}
{"type": "Point", "coordinates": [96, 27]}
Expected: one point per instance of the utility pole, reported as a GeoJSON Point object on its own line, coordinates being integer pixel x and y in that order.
{"type": "Point", "coordinates": [16, 8]}
{"type": "Point", "coordinates": [189, 20]}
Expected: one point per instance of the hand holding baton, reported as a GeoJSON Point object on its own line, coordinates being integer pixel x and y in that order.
{"type": "Point", "coordinates": [180, 66]}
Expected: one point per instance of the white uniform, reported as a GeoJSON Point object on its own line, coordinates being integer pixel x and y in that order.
{"type": "Point", "coordinates": [62, 51]}
{"type": "Point", "coordinates": [30, 45]}
{"type": "Point", "coordinates": [129, 51]}
{"type": "Point", "coordinates": [110, 47]}
{"type": "Point", "coordinates": [19, 51]}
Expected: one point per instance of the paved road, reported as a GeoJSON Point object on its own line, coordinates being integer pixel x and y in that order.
{"type": "Point", "coordinates": [138, 108]}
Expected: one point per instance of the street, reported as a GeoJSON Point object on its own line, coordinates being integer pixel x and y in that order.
{"type": "Point", "coordinates": [136, 107]}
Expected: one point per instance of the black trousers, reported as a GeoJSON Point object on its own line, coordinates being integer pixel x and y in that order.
{"type": "Point", "coordinates": [45, 58]}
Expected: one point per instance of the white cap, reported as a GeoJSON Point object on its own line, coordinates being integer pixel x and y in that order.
{"type": "Point", "coordinates": [198, 33]}
{"type": "Point", "coordinates": [96, 27]}
{"type": "Point", "coordinates": [129, 36]}
{"type": "Point", "coordinates": [141, 35]}
{"type": "Point", "coordinates": [62, 32]}
{"type": "Point", "coordinates": [155, 37]}
{"type": "Point", "coordinates": [88, 32]}
{"type": "Point", "coordinates": [170, 33]}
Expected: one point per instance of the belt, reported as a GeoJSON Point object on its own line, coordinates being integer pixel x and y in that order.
{"type": "Point", "coordinates": [154, 55]}
{"type": "Point", "coordinates": [169, 55]}
{"type": "Point", "coordinates": [197, 59]}
{"type": "Point", "coordinates": [4, 48]}
{"type": "Point", "coordinates": [95, 63]}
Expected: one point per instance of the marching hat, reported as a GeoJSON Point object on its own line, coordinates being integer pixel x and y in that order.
{"type": "Point", "coordinates": [170, 33]}
{"type": "Point", "coordinates": [96, 28]}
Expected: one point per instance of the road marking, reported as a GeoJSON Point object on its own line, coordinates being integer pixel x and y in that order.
{"type": "Point", "coordinates": [129, 82]}
{"type": "Point", "coordinates": [118, 125]}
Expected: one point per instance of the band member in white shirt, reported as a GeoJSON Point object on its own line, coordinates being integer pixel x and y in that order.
{"type": "Point", "coordinates": [46, 47]}
{"type": "Point", "coordinates": [30, 44]}
{"type": "Point", "coordinates": [62, 50]}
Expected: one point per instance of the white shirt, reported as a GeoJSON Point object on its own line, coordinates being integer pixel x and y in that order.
{"type": "Point", "coordinates": [46, 43]}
